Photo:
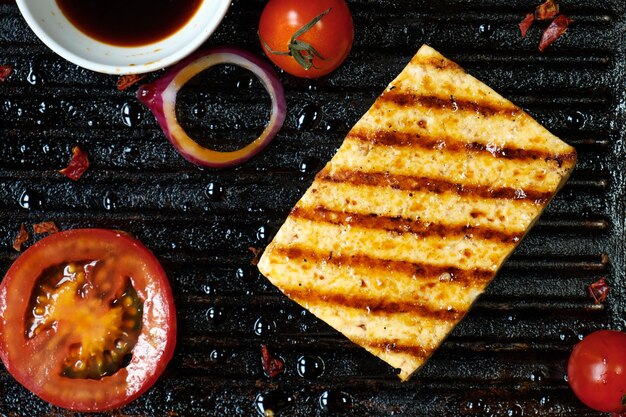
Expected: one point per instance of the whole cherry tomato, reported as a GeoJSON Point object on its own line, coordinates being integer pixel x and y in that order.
{"type": "Point", "coordinates": [597, 371]}
{"type": "Point", "coordinates": [306, 38]}
{"type": "Point", "coordinates": [88, 319]}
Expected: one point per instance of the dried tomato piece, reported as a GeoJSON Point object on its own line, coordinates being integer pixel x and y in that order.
{"type": "Point", "coordinates": [256, 252]}
{"type": "Point", "coordinates": [77, 166]}
{"type": "Point", "coordinates": [21, 237]}
{"type": "Point", "coordinates": [271, 365]}
{"type": "Point", "coordinates": [526, 24]}
{"type": "Point", "coordinates": [126, 81]}
{"type": "Point", "coordinates": [599, 290]}
{"type": "Point", "coordinates": [547, 10]}
{"type": "Point", "coordinates": [45, 227]}
{"type": "Point", "coordinates": [553, 32]}
{"type": "Point", "coordinates": [5, 71]}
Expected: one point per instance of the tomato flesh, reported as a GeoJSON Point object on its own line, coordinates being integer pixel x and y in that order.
{"type": "Point", "coordinates": [597, 371]}
{"type": "Point", "coordinates": [331, 37]}
{"type": "Point", "coordinates": [88, 319]}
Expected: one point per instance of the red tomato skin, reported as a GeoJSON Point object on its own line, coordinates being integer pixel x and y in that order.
{"type": "Point", "coordinates": [597, 370]}
{"type": "Point", "coordinates": [141, 374]}
{"type": "Point", "coordinates": [332, 36]}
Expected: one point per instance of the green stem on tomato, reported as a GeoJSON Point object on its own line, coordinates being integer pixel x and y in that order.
{"type": "Point", "coordinates": [302, 52]}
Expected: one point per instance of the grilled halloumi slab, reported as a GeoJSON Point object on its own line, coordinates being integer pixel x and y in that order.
{"type": "Point", "coordinates": [409, 222]}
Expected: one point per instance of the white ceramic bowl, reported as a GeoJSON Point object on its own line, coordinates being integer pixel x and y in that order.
{"type": "Point", "coordinates": [50, 25]}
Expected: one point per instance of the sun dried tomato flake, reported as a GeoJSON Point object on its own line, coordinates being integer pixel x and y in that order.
{"type": "Point", "coordinates": [547, 10]}
{"type": "Point", "coordinates": [77, 166]}
{"type": "Point", "coordinates": [599, 290]}
{"type": "Point", "coordinates": [126, 81]}
{"type": "Point", "coordinates": [272, 366]}
{"type": "Point", "coordinates": [526, 24]}
{"type": "Point", "coordinates": [5, 71]}
{"type": "Point", "coordinates": [45, 227]}
{"type": "Point", "coordinates": [21, 237]}
{"type": "Point", "coordinates": [553, 32]}
{"type": "Point", "coordinates": [256, 252]}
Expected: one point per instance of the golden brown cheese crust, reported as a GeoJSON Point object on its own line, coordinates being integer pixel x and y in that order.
{"type": "Point", "coordinates": [409, 222]}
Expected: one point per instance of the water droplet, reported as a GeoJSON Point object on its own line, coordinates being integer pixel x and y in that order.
{"type": "Point", "coordinates": [6, 105]}
{"type": "Point", "coordinates": [263, 327]}
{"type": "Point", "coordinates": [575, 120]}
{"type": "Point", "coordinates": [207, 289]}
{"type": "Point", "coordinates": [131, 114]}
{"type": "Point", "coordinates": [199, 110]}
{"type": "Point", "coordinates": [215, 315]}
{"type": "Point", "coordinates": [312, 86]}
{"type": "Point", "coordinates": [45, 148]}
{"type": "Point", "coordinates": [216, 355]}
{"type": "Point", "coordinates": [512, 319]}
{"type": "Point", "coordinates": [214, 191]}
{"type": "Point", "coordinates": [244, 81]}
{"type": "Point", "coordinates": [569, 336]}
{"type": "Point", "coordinates": [332, 401]}
{"type": "Point", "coordinates": [515, 411]}
{"type": "Point", "coordinates": [93, 121]}
{"type": "Point", "coordinates": [110, 201]}
{"type": "Point", "coordinates": [475, 405]}
{"type": "Point", "coordinates": [310, 366]}
{"type": "Point", "coordinates": [486, 29]}
{"type": "Point", "coordinates": [42, 107]}
{"type": "Point", "coordinates": [537, 376]}
{"type": "Point", "coordinates": [23, 148]}
{"type": "Point", "coordinates": [261, 234]}
{"type": "Point", "coordinates": [545, 401]}
{"type": "Point", "coordinates": [309, 117]}
{"type": "Point", "coordinates": [309, 165]}
{"type": "Point", "coordinates": [30, 200]}
{"type": "Point", "coordinates": [32, 77]}
{"type": "Point", "coordinates": [271, 403]}
{"type": "Point", "coordinates": [244, 274]}
{"type": "Point", "coordinates": [334, 125]}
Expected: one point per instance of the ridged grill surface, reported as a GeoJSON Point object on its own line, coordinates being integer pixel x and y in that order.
{"type": "Point", "coordinates": [507, 357]}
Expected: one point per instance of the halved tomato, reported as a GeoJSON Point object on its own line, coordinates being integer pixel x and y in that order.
{"type": "Point", "coordinates": [88, 319]}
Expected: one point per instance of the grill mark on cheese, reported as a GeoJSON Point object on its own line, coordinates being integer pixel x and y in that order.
{"type": "Point", "coordinates": [449, 144]}
{"type": "Point", "coordinates": [437, 186]}
{"type": "Point", "coordinates": [445, 273]}
{"type": "Point", "coordinates": [409, 99]}
{"type": "Point", "coordinates": [414, 350]}
{"type": "Point", "coordinates": [402, 225]}
{"type": "Point", "coordinates": [372, 305]}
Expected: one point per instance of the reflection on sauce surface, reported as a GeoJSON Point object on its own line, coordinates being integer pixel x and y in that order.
{"type": "Point", "coordinates": [129, 22]}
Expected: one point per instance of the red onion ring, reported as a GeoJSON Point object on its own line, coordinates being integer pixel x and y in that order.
{"type": "Point", "coordinates": [160, 97]}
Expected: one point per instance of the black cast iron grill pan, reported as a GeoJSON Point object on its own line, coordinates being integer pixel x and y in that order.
{"type": "Point", "coordinates": [507, 357]}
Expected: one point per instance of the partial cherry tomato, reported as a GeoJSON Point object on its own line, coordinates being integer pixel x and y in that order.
{"type": "Point", "coordinates": [306, 38]}
{"type": "Point", "coordinates": [597, 371]}
{"type": "Point", "coordinates": [88, 319]}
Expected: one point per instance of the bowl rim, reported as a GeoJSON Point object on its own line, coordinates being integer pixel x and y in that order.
{"type": "Point", "coordinates": [182, 52]}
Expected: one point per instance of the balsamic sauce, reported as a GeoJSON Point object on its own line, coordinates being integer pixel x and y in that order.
{"type": "Point", "coordinates": [129, 22]}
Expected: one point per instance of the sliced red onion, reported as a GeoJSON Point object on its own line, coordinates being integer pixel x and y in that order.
{"type": "Point", "coordinates": [160, 97]}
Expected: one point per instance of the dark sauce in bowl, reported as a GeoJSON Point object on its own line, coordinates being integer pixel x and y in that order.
{"type": "Point", "coordinates": [129, 22]}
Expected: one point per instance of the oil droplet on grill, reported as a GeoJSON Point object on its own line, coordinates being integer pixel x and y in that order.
{"type": "Point", "coordinates": [110, 201]}
{"type": "Point", "coordinates": [334, 125]}
{"type": "Point", "coordinates": [333, 401]}
{"type": "Point", "coordinates": [30, 200]}
{"type": "Point", "coordinates": [537, 376]}
{"type": "Point", "coordinates": [309, 117]}
{"type": "Point", "coordinates": [271, 403]}
{"type": "Point", "coordinates": [198, 110]}
{"type": "Point", "coordinates": [476, 406]}
{"type": "Point", "coordinates": [570, 336]}
{"type": "Point", "coordinates": [486, 29]}
{"type": "Point", "coordinates": [575, 120]}
{"type": "Point", "coordinates": [545, 401]}
{"type": "Point", "coordinates": [215, 315]}
{"type": "Point", "coordinates": [244, 274]}
{"type": "Point", "coordinates": [214, 191]}
{"type": "Point", "coordinates": [131, 114]}
{"type": "Point", "coordinates": [264, 327]}
{"type": "Point", "coordinates": [310, 366]}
